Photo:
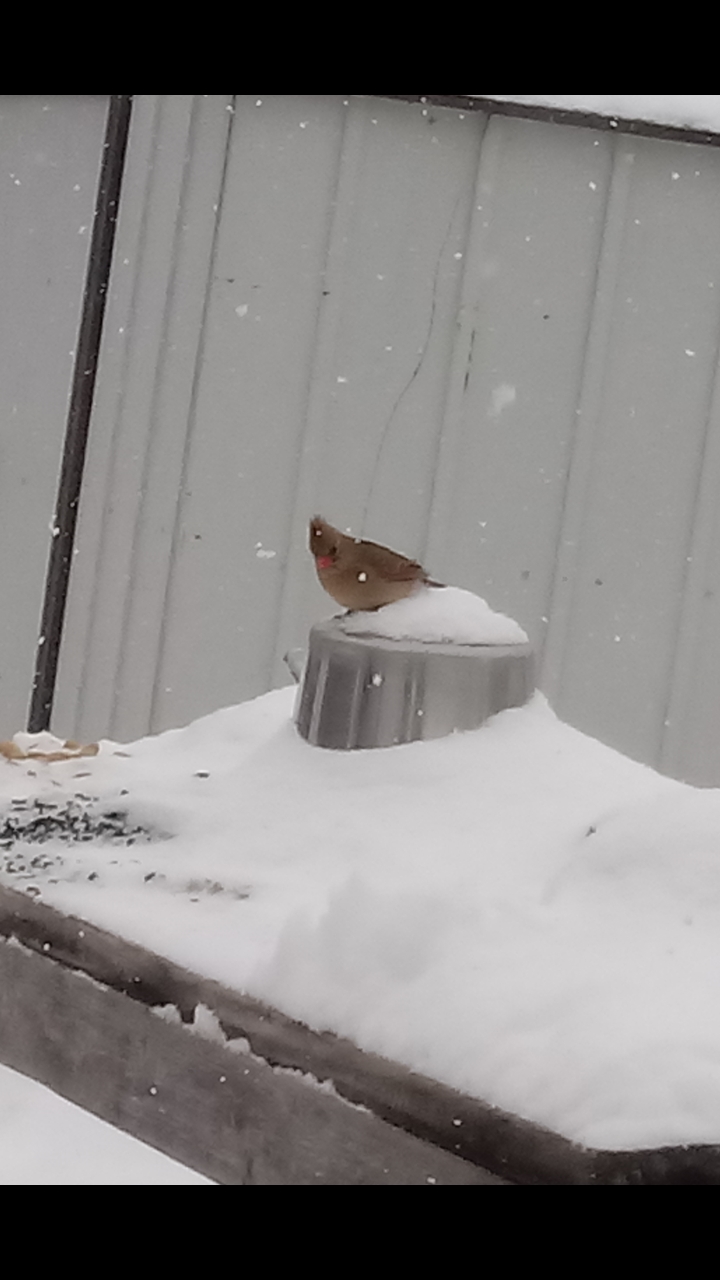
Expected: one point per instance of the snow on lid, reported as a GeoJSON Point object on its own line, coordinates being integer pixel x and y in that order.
{"type": "Point", "coordinates": [438, 616]}
{"type": "Point", "coordinates": [696, 111]}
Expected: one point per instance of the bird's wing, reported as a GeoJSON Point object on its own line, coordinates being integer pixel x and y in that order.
{"type": "Point", "coordinates": [391, 566]}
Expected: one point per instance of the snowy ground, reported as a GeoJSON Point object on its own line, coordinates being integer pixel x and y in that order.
{"type": "Point", "coordinates": [519, 912]}
{"type": "Point", "coordinates": [697, 111]}
{"type": "Point", "coordinates": [45, 1141]}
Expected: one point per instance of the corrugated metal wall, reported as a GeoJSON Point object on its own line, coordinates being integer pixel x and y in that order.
{"type": "Point", "coordinates": [50, 148]}
{"type": "Point", "coordinates": [490, 342]}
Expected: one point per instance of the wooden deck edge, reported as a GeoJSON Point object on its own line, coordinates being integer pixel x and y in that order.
{"type": "Point", "coordinates": [462, 1127]}
{"type": "Point", "coordinates": [49, 1014]}
{"type": "Point", "coordinates": [224, 1114]}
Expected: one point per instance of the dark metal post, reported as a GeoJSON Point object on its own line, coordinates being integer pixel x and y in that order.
{"type": "Point", "coordinates": [574, 116]}
{"type": "Point", "coordinates": [97, 283]}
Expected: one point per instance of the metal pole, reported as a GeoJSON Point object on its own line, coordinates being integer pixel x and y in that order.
{"type": "Point", "coordinates": [97, 283]}
{"type": "Point", "coordinates": [559, 115]}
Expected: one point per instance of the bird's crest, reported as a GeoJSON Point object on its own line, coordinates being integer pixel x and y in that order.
{"type": "Point", "coordinates": [324, 540]}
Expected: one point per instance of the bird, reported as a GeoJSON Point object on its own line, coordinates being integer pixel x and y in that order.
{"type": "Point", "coordinates": [362, 576]}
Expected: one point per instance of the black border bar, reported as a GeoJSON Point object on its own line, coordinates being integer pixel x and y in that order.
{"type": "Point", "coordinates": [97, 282]}
{"type": "Point", "coordinates": [561, 115]}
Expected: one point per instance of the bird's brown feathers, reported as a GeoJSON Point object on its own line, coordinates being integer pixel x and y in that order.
{"type": "Point", "coordinates": [358, 574]}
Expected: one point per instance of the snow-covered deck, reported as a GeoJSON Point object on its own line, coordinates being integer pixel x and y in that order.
{"type": "Point", "coordinates": [519, 913]}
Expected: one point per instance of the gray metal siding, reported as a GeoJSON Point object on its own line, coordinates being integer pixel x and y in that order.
{"type": "Point", "coordinates": [492, 342]}
{"type": "Point", "coordinates": [50, 148]}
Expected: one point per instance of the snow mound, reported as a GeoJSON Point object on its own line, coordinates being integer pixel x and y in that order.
{"type": "Point", "coordinates": [518, 912]}
{"type": "Point", "coordinates": [695, 111]}
{"type": "Point", "coordinates": [436, 615]}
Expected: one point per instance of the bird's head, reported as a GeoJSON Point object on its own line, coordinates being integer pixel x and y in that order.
{"type": "Point", "coordinates": [324, 543]}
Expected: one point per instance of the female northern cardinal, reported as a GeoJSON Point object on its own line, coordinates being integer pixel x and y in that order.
{"type": "Point", "coordinates": [361, 575]}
